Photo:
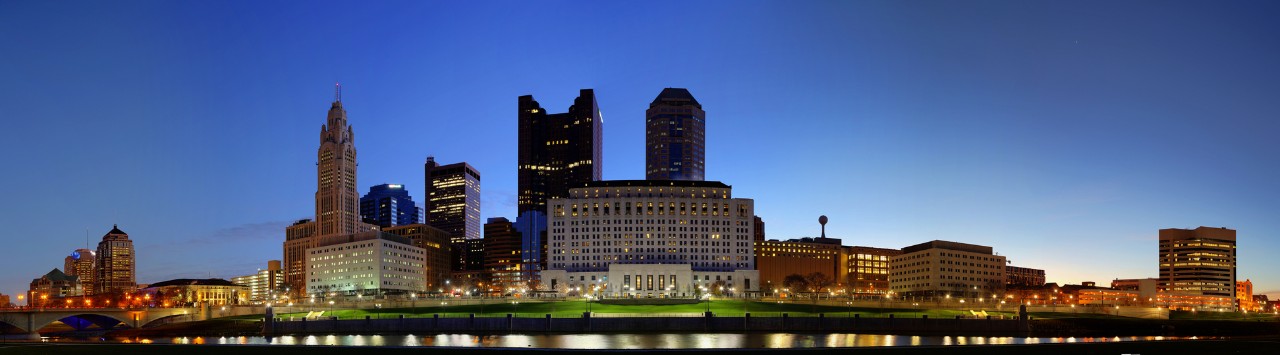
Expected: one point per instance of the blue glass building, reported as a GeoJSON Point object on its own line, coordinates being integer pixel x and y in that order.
{"type": "Point", "coordinates": [389, 205]}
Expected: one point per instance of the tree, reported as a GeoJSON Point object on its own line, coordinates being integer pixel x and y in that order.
{"type": "Point", "coordinates": [717, 288]}
{"type": "Point", "coordinates": [817, 281]}
{"type": "Point", "coordinates": [795, 283]}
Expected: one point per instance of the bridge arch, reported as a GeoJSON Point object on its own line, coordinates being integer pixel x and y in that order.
{"type": "Point", "coordinates": [31, 321]}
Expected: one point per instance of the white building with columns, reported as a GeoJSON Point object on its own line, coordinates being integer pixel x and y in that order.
{"type": "Point", "coordinates": [651, 238]}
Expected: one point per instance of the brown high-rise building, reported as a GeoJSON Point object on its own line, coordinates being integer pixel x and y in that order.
{"type": "Point", "coordinates": [80, 265]}
{"type": "Point", "coordinates": [114, 269]}
{"type": "Point", "coordinates": [1199, 261]}
{"type": "Point", "coordinates": [337, 200]}
{"type": "Point", "coordinates": [675, 137]}
{"type": "Point", "coordinates": [557, 151]}
{"type": "Point", "coordinates": [502, 254]}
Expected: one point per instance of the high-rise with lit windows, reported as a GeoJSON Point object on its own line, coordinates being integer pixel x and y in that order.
{"type": "Point", "coordinates": [337, 205]}
{"type": "Point", "coordinates": [114, 268]}
{"type": "Point", "coordinates": [557, 151]}
{"type": "Point", "coordinates": [1199, 261]}
{"type": "Point", "coordinates": [80, 264]}
{"type": "Point", "coordinates": [453, 204]}
{"type": "Point", "coordinates": [675, 137]}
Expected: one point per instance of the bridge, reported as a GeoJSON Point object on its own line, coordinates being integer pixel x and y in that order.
{"type": "Point", "coordinates": [30, 321]}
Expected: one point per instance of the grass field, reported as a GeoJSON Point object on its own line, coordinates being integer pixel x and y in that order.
{"type": "Point", "coordinates": [724, 308]}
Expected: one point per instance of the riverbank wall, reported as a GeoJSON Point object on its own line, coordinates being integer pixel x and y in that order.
{"type": "Point", "coordinates": [588, 324]}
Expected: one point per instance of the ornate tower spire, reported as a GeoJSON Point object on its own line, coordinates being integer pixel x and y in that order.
{"type": "Point", "coordinates": [337, 200]}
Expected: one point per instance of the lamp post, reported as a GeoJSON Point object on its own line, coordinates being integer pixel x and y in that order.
{"type": "Point", "coordinates": [413, 302]}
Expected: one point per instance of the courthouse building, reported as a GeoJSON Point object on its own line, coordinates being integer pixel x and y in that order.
{"type": "Point", "coordinates": [651, 238]}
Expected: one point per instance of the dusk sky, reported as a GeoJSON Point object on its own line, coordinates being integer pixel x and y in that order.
{"type": "Point", "coordinates": [1063, 134]}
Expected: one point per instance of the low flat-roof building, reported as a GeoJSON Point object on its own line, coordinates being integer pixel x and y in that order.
{"type": "Point", "coordinates": [367, 263]}
{"type": "Point", "coordinates": [946, 269]}
{"type": "Point", "coordinates": [436, 243]}
{"type": "Point", "coordinates": [778, 259]}
{"type": "Point", "coordinates": [190, 292]}
{"type": "Point", "coordinates": [263, 284]}
{"type": "Point", "coordinates": [1023, 276]}
{"type": "Point", "coordinates": [867, 269]}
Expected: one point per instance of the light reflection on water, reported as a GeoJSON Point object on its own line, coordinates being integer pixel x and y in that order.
{"type": "Point", "coordinates": [639, 341]}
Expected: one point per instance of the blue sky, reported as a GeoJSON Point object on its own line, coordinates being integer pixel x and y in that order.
{"type": "Point", "coordinates": [1063, 134]}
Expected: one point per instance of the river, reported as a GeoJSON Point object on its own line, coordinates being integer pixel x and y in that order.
{"type": "Point", "coordinates": [630, 341]}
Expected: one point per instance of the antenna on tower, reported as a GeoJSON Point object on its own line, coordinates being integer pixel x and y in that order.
{"type": "Point", "coordinates": [337, 92]}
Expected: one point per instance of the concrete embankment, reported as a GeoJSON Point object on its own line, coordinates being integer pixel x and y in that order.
{"type": "Point", "coordinates": [588, 324]}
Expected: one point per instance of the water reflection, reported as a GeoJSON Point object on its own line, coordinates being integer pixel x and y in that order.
{"type": "Point", "coordinates": [636, 341]}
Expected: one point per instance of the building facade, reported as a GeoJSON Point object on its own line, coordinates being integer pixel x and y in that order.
{"type": "Point", "coordinates": [1199, 261]}
{"type": "Point", "coordinates": [337, 202]}
{"type": "Point", "coordinates": [263, 285]}
{"type": "Point", "coordinates": [1022, 276]}
{"type": "Point", "coordinates": [557, 151]}
{"type": "Point", "coordinates": [532, 226]}
{"type": "Point", "coordinates": [453, 204]}
{"type": "Point", "coordinates": [436, 245]}
{"type": "Point", "coordinates": [114, 268]}
{"type": "Point", "coordinates": [675, 137]}
{"type": "Point", "coordinates": [389, 205]}
{"type": "Point", "coordinates": [649, 238]}
{"type": "Point", "coordinates": [502, 257]}
{"type": "Point", "coordinates": [867, 269]}
{"type": "Point", "coordinates": [371, 263]}
{"type": "Point", "coordinates": [80, 264]}
{"type": "Point", "coordinates": [1244, 295]}
{"type": "Point", "coordinates": [54, 284]}
{"type": "Point", "coordinates": [946, 269]}
{"type": "Point", "coordinates": [192, 292]}
{"type": "Point", "coordinates": [759, 231]}
{"type": "Point", "coordinates": [778, 259]}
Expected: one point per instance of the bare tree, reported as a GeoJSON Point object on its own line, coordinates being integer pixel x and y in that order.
{"type": "Point", "coordinates": [796, 283]}
{"type": "Point", "coordinates": [818, 281]}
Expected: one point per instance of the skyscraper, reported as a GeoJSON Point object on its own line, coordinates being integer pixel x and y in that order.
{"type": "Point", "coordinates": [114, 264]}
{"type": "Point", "coordinates": [675, 137]}
{"type": "Point", "coordinates": [388, 205]}
{"type": "Point", "coordinates": [80, 264]}
{"type": "Point", "coordinates": [1199, 261]}
{"type": "Point", "coordinates": [453, 204]}
{"type": "Point", "coordinates": [337, 201]}
{"type": "Point", "coordinates": [557, 151]}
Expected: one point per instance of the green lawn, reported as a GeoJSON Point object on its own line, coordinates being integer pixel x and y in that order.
{"type": "Point", "coordinates": [1209, 315]}
{"type": "Point", "coordinates": [560, 309]}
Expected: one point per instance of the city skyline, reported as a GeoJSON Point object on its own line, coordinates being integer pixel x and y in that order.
{"type": "Point", "coordinates": [1053, 143]}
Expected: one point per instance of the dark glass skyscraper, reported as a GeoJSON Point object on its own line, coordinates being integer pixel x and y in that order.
{"type": "Point", "coordinates": [675, 137]}
{"type": "Point", "coordinates": [557, 151]}
{"type": "Point", "coordinates": [388, 205]}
